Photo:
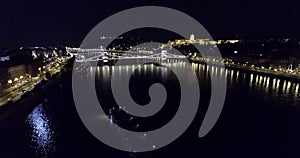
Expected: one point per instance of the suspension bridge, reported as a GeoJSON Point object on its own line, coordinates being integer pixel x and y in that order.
{"type": "Point", "coordinates": [101, 54]}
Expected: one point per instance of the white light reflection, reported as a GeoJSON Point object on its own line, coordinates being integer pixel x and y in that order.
{"type": "Point", "coordinates": [212, 72]}
{"type": "Point", "coordinates": [152, 68]}
{"type": "Point", "coordinates": [139, 69]}
{"type": "Point", "coordinates": [42, 136]}
{"type": "Point", "coordinates": [226, 72]}
{"type": "Point", "coordinates": [127, 69]}
{"type": "Point", "coordinates": [222, 74]}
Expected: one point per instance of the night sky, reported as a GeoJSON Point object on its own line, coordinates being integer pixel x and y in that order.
{"type": "Point", "coordinates": [66, 22]}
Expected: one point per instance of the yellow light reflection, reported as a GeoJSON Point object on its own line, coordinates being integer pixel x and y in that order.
{"type": "Point", "coordinates": [297, 88]}
{"type": "Point", "coordinates": [284, 86]}
{"type": "Point", "coordinates": [264, 81]}
{"type": "Point", "coordinates": [260, 81]}
{"type": "Point", "coordinates": [288, 86]}
{"type": "Point", "coordinates": [268, 82]}
{"type": "Point", "coordinates": [251, 80]}
{"type": "Point", "coordinates": [274, 83]}
{"type": "Point", "coordinates": [277, 85]}
{"type": "Point", "coordinates": [256, 80]}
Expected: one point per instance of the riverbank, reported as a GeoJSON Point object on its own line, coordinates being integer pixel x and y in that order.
{"type": "Point", "coordinates": [39, 94]}
{"type": "Point", "coordinates": [271, 73]}
{"type": "Point", "coordinates": [287, 76]}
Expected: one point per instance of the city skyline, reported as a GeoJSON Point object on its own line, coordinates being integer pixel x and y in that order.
{"type": "Point", "coordinates": [161, 78]}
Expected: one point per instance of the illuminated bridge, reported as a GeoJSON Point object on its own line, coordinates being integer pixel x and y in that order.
{"type": "Point", "coordinates": [87, 55]}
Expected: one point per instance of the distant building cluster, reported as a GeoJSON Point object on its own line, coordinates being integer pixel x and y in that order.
{"type": "Point", "coordinates": [23, 63]}
{"type": "Point", "coordinates": [192, 40]}
{"type": "Point", "coordinates": [25, 55]}
{"type": "Point", "coordinates": [276, 54]}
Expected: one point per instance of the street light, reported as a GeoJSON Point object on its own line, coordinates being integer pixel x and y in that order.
{"type": "Point", "coordinates": [9, 81]}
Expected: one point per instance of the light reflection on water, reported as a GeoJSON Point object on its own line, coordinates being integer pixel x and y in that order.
{"type": "Point", "coordinates": [40, 132]}
{"type": "Point", "coordinates": [255, 84]}
{"type": "Point", "coordinates": [269, 84]}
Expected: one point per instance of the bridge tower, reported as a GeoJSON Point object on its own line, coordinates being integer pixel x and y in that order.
{"type": "Point", "coordinates": [290, 68]}
{"type": "Point", "coordinates": [163, 54]}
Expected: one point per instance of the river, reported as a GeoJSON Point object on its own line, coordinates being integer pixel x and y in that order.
{"type": "Point", "coordinates": [260, 118]}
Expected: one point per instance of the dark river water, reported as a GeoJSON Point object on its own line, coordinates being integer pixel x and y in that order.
{"type": "Point", "coordinates": [260, 118]}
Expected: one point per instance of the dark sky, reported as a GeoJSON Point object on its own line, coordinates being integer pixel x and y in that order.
{"type": "Point", "coordinates": [65, 22]}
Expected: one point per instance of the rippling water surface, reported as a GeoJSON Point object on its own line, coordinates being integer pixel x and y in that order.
{"type": "Point", "coordinates": [261, 117]}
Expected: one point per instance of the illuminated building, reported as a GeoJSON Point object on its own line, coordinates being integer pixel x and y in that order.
{"type": "Point", "coordinates": [192, 37]}
{"type": "Point", "coordinates": [203, 42]}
